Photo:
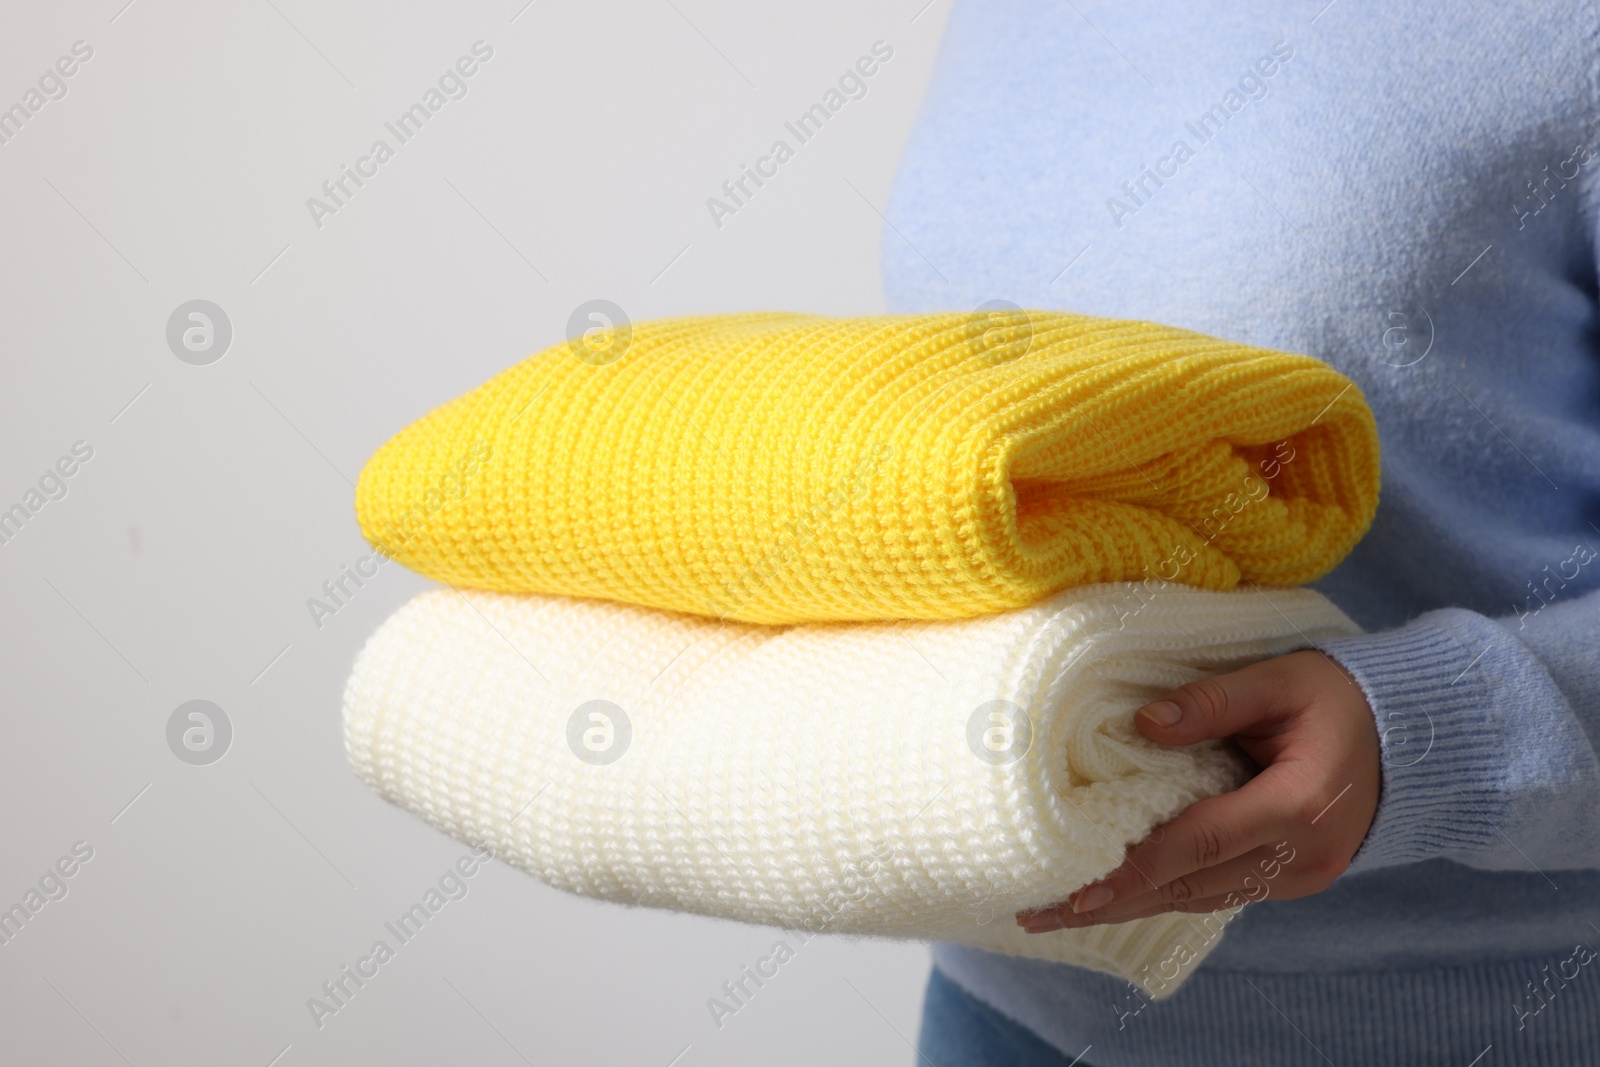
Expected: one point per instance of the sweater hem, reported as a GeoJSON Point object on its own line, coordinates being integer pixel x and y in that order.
{"type": "Point", "coordinates": [1524, 1009]}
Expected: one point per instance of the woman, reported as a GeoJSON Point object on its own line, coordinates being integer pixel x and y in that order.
{"type": "Point", "coordinates": [1407, 191]}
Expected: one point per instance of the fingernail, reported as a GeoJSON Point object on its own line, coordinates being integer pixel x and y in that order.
{"type": "Point", "coordinates": [1096, 896]}
{"type": "Point", "coordinates": [1162, 713]}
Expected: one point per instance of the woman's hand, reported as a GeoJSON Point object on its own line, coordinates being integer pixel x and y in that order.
{"type": "Point", "coordinates": [1286, 833]}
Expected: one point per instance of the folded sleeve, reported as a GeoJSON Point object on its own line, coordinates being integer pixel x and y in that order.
{"type": "Point", "coordinates": [1489, 731]}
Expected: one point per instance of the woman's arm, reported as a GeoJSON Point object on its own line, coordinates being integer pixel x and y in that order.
{"type": "Point", "coordinates": [1484, 730]}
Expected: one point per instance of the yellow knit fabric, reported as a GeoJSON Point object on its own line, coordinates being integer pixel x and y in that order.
{"type": "Point", "coordinates": [785, 468]}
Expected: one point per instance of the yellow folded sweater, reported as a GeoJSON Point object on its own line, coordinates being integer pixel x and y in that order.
{"type": "Point", "coordinates": [786, 468]}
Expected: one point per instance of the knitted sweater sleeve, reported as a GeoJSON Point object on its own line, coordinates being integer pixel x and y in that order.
{"type": "Point", "coordinates": [1490, 727]}
{"type": "Point", "coordinates": [1490, 730]}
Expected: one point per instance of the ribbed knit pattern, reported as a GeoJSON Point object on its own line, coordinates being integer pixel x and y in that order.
{"type": "Point", "coordinates": [788, 468]}
{"type": "Point", "coordinates": [1432, 768]}
{"type": "Point", "coordinates": [821, 776]}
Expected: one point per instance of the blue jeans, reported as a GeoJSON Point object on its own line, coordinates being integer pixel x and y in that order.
{"type": "Point", "coordinates": [959, 1030]}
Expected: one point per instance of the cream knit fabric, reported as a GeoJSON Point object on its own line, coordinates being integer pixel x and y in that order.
{"type": "Point", "coordinates": [833, 777]}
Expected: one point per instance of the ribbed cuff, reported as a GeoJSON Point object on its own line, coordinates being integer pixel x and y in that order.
{"type": "Point", "coordinates": [1443, 758]}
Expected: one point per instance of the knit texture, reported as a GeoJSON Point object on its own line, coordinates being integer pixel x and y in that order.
{"type": "Point", "coordinates": [836, 778]}
{"type": "Point", "coordinates": [786, 468]}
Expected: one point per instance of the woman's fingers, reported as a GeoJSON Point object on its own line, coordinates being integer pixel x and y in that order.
{"type": "Point", "coordinates": [1206, 906]}
{"type": "Point", "coordinates": [1241, 880]}
{"type": "Point", "coordinates": [1206, 834]}
{"type": "Point", "coordinates": [1306, 723]}
{"type": "Point", "coordinates": [1221, 706]}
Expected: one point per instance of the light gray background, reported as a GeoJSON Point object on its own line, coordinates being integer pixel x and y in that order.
{"type": "Point", "coordinates": [179, 564]}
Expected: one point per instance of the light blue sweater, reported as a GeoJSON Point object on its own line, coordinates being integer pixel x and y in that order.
{"type": "Point", "coordinates": [1408, 191]}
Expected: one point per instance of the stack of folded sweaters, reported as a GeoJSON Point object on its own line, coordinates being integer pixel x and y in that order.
{"type": "Point", "coordinates": [840, 624]}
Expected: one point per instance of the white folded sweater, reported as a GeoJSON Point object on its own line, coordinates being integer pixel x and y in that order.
{"type": "Point", "coordinates": [918, 780]}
